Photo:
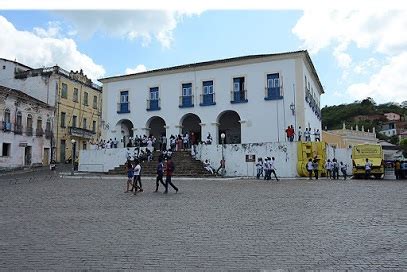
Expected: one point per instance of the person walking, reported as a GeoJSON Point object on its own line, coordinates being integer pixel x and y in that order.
{"type": "Point", "coordinates": [169, 170]}
{"type": "Point", "coordinates": [344, 168]}
{"type": "Point", "coordinates": [130, 174]}
{"type": "Point", "coordinates": [273, 168]}
{"type": "Point", "coordinates": [259, 167]}
{"type": "Point", "coordinates": [267, 173]}
{"type": "Point", "coordinates": [315, 166]}
{"type": "Point", "coordinates": [160, 174]}
{"type": "Point", "coordinates": [137, 177]}
{"type": "Point", "coordinates": [310, 168]}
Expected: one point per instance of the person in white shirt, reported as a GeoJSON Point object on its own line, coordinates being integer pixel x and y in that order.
{"type": "Point", "coordinates": [299, 133]}
{"type": "Point", "coordinates": [368, 169]}
{"type": "Point", "coordinates": [328, 167]}
{"type": "Point", "coordinates": [267, 169]}
{"type": "Point", "coordinates": [317, 135]}
{"type": "Point", "coordinates": [307, 135]}
{"type": "Point", "coordinates": [137, 178]}
{"type": "Point", "coordinates": [344, 168]}
{"type": "Point", "coordinates": [208, 167]}
{"type": "Point", "coordinates": [129, 154]}
{"type": "Point", "coordinates": [273, 168]}
{"type": "Point", "coordinates": [310, 168]}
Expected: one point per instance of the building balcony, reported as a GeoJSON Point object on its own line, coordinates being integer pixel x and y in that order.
{"type": "Point", "coordinates": [238, 96]}
{"type": "Point", "coordinates": [6, 126]}
{"type": "Point", "coordinates": [48, 133]}
{"type": "Point", "coordinates": [39, 132]}
{"type": "Point", "coordinates": [207, 99]}
{"type": "Point", "coordinates": [123, 107]}
{"type": "Point", "coordinates": [81, 132]}
{"type": "Point", "coordinates": [273, 93]}
{"type": "Point", "coordinates": [186, 101]}
{"type": "Point", "coordinates": [29, 131]}
{"type": "Point", "coordinates": [18, 129]}
{"type": "Point", "coordinates": [153, 104]}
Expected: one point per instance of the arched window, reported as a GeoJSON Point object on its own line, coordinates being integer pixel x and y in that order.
{"type": "Point", "coordinates": [7, 115]}
{"type": "Point", "coordinates": [29, 121]}
{"type": "Point", "coordinates": [19, 119]}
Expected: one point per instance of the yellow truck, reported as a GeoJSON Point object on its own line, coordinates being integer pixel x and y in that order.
{"type": "Point", "coordinates": [374, 153]}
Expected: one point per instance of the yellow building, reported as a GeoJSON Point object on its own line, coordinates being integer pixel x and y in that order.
{"type": "Point", "coordinates": [78, 113]}
{"type": "Point", "coordinates": [346, 138]}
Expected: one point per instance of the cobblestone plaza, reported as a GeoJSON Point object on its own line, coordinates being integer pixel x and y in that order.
{"type": "Point", "coordinates": [53, 223]}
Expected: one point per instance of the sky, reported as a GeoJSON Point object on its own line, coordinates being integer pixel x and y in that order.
{"type": "Point", "coordinates": [358, 53]}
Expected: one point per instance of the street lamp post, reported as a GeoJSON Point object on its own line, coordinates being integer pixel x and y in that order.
{"type": "Point", "coordinates": [222, 136]}
{"type": "Point", "coordinates": [73, 156]}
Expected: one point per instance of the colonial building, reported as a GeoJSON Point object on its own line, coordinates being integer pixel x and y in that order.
{"type": "Point", "coordinates": [346, 138]}
{"type": "Point", "coordinates": [251, 99]}
{"type": "Point", "coordinates": [25, 135]}
{"type": "Point", "coordinates": [76, 99]}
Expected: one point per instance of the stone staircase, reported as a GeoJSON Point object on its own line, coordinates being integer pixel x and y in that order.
{"type": "Point", "coordinates": [185, 166]}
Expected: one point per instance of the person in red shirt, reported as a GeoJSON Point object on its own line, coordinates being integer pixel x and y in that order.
{"type": "Point", "coordinates": [169, 170]}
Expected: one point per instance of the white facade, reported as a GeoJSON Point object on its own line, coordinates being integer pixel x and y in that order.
{"type": "Point", "coordinates": [259, 117]}
{"type": "Point", "coordinates": [25, 130]}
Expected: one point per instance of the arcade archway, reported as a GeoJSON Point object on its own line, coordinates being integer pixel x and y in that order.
{"type": "Point", "coordinates": [157, 127]}
{"type": "Point", "coordinates": [191, 123]}
{"type": "Point", "coordinates": [125, 129]}
{"type": "Point", "coordinates": [229, 124]}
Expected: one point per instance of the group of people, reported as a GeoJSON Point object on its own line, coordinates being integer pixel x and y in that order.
{"type": "Point", "coordinates": [166, 167]}
{"type": "Point", "coordinates": [209, 168]}
{"type": "Point", "coordinates": [103, 144]}
{"type": "Point", "coordinates": [302, 136]}
{"type": "Point", "coordinates": [332, 168]}
{"type": "Point", "coordinates": [266, 168]}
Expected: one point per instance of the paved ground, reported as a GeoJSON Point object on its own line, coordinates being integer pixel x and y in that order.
{"type": "Point", "coordinates": [47, 222]}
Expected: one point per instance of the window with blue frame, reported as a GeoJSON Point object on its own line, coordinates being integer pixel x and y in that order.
{"type": "Point", "coordinates": [154, 102]}
{"type": "Point", "coordinates": [208, 94]}
{"type": "Point", "coordinates": [186, 99]}
{"type": "Point", "coordinates": [123, 106]}
{"type": "Point", "coordinates": [273, 88]}
{"type": "Point", "coordinates": [239, 93]}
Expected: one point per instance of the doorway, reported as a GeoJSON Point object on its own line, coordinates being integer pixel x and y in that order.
{"type": "Point", "coordinates": [27, 155]}
{"type": "Point", "coordinates": [45, 158]}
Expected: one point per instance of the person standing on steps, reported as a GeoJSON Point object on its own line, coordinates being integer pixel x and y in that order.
{"type": "Point", "coordinates": [169, 170]}
{"type": "Point", "coordinates": [160, 174]}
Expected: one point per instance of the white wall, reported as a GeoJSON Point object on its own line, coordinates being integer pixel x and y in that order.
{"type": "Point", "coordinates": [262, 121]}
{"type": "Point", "coordinates": [341, 155]}
{"type": "Point", "coordinates": [101, 160]}
{"type": "Point", "coordinates": [235, 157]}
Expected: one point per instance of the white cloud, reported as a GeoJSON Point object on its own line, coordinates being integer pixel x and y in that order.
{"type": "Point", "coordinates": [389, 84]}
{"type": "Point", "coordinates": [380, 31]}
{"type": "Point", "coordinates": [139, 68]}
{"type": "Point", "coordinates": [130, 24]}
{"type": "Point", "coordinates": [41, 48]}
{"type": "Point", "coordinates": [53, 30]}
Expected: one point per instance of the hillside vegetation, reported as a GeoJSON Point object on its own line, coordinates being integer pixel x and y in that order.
{"type": "Point", "coordinates": [334, 116]}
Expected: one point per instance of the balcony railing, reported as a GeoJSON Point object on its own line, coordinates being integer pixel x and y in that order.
{"type": "Point", "coordinates": [39, 132]}
{"type": "Point", "coordinates": [18, 129]}
{"type": "Point", "coordinates": [186, 101]}
{"type": "Point", "coordinates": [81, 132]}
{"type": "Point", "coordinates": [6, 126]}
{"type": "Point", "coordinates": [29, 131]}
{"type": "Point", "coordinates": [153, 104]}
{"type": "Point", "coordinates": [123, 107]}
{"type": "Point", "coordinates": [274, 93]}
{"type": "Point", "coordinates": [207, 99]}
{"type": "Point", "coordinates": [48, 133]}
{"type": "Point", "coordinates": [238, 96]}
